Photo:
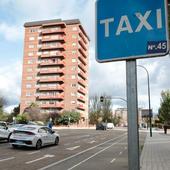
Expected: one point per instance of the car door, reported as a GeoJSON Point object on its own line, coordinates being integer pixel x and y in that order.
{"type": "Point", "coordinates": [51, 136]}
{"type": "Point", "coordinates": [4, 133]}
{"type": "Point", "coordinates": [43, 135]}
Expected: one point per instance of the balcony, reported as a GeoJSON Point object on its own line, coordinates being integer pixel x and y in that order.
{"type": "Point", "coordinates": [81, 90]}
{"type": "Point", "coordinates": [82, 74]}
{"type": "Point", "coordinates": [51, 88]}
{"type": "Point", "coordinates": [82, 44]}
{"type": "Point", "coordinates": [54, 105]}
{"type": "Point", "coordinates": [51, 79]}
{"type": "Point", "coordinates": [53, 30]}
{"type": "Point", "coordinates": [82, 52]}
{"type": "Point", "coordinates": [82, 60]}
{"type": "Point", "coordinates": [82, 36]}
{"type": "Point", "coordinates": [82, 82]}
{"type": "Point", "coordinates": [82, 67]}
{"type": "Point", "coordinates": [53, 54]}
{"type": "Point", "coordinates": [52, 71]}
{"type": "Point", "coordinates": [81, 107]}
{"type": "Point", "coordinates": [52, 46]}
{"type": "Point", "coordinates": [52, 63]}
{"type": "Point", "coordinates": [81, 98]}
{"type": "Point", "coordinates": [53, 38]}
{"type": "Point", "coordinates": [59, 96]}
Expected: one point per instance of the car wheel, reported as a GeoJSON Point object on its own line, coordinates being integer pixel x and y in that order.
{"type": "Point", "coordinates": [14, 146]}
{"type": "Point", "coordinates": [56, 141]}
{"type": "Point", "coordinates": [38, 144]}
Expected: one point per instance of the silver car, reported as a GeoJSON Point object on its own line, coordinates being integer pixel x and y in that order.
{"type": "Point", "coordinates": [33, 136]}
{"type": "Point", "coordinates": [4, 132]}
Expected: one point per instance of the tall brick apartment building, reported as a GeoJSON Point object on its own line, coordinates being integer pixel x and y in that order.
{"type": "Point", "coordinates": [55, 67]}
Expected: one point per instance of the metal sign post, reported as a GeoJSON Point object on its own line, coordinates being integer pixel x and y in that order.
{"type": "Point", "coordinates": [132, 107]}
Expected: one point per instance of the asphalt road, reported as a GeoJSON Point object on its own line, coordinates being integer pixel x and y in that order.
{"type": "Point", "coordinates": [78, 150]}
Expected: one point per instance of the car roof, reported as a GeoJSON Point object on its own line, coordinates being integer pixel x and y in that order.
{"type": "Point", "coordinates": [30, 127]}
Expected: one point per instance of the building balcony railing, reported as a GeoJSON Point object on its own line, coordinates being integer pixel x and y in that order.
{"type": "Point", "coordinates": [81, 107]}
{"type": "Point", "coordinates": [52, 63]}
{"type": "Point", "coordinates": [81, 98]}
{"type": "Point", "coordinates": [54, 54]}
{"type": "Point", "coordinates": [54, 105]}
{"type": "Point", "coordinates": [51, 88]}
{"type": "Point", "coordinates": [52, 71]}
{"type": "Point", "coordinates": [82, 36]}
{"type": "Point", "coordinates": [82, 67]}
{"type": "Point", "coordinates": [53, 30]}
{"type": "Point", "coordinates": [83, 53]}
{"type": "Point", "coordinates": [82, 74]}
{"type": "Point", "coordinates": [82, 82]}
{"type": "Point", "coordinates": [81, 90]}
{"type": "Point", "coordinates": [82, 59]}
{"type": "Point", "coordinates": [53, 38]}
{"type": "Point", "coordinates": [51, 79]}
{"type": "Point", "coordinates": [59, 96]}
{"type": "Point", "coordinates": [82, 44]}
{"type": "Point", "coordinates": [53, 46]}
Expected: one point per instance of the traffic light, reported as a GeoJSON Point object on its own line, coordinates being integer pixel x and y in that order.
{"type": "Point", "coordinates": [101, 98]}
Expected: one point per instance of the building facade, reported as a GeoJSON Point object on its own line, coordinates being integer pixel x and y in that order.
{"type": "Point", "coordinates": [55, 67]}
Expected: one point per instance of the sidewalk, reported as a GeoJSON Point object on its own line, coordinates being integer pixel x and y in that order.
{"type": "Point", "coordinates": [156, 152]}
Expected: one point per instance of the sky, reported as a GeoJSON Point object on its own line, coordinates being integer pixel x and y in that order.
{"type": "Point", "coordinates": [105, 78]}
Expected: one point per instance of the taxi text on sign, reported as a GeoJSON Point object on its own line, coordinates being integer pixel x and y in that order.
{"type": "Point", "coordinates": [130, 29]}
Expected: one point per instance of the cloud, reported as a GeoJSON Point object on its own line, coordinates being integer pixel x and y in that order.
{"type": "Point", "coordinates": [10, 86]}
{"type": "Point", "coordinates": [10, 32]}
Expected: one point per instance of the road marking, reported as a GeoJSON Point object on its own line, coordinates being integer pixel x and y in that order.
{"type": "Point", "coordinates": [31, 153]}
{"type": "Point", "coordinates": [79, 153]}
{"type": "Point", "coordinates": [94, 155]}
{"type": "Point", "coordinates": [93, 141]}
{"type": "Point", "coordinates": [112, 160]}
{"type": "Point", "coordinates": [6, 159]}
{"type": "Point", "coordinates": [35, 160]}
{"type": "Point", "coordinates": [73, 148]}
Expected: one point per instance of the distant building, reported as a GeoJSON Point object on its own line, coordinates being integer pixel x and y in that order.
{"type": "Point", "coordinates": [55, 67]}
{"type": "Point", "coordinates": [122, 113]}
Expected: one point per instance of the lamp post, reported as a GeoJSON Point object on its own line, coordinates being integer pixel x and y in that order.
{"type": "Point", "coordinates": [150, 114]}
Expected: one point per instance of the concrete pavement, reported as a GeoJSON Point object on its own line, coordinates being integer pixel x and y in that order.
{"type": "Point", "coordinates": [156, 152]}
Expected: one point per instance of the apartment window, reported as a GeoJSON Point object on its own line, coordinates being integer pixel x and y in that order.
{"type": "Point", "coordinates": [74, 68]}
{"type": "Point", "coordinates": [30, 61]}
{"type": "Point", "coordinates": [73, 94]}
{"type": "Point", "coordinates": [28, 94]}
{"type": "Point", "coordinates": [29, 78]}
{"type": "Point", "coordinates": [73, 85]}
{"type": "Point", "coordinates": [73, 102]}
{"type": "Point", "coordinates": [73, 60]}
{"type": "Point", "coordinates": [30, 54]}
{"type": "Point", "coordinates": [29, 70]}
{"type": "Point", "coordinates": [73, 44]}
{"type": "Point", "coordinates": [39, 53]}
{"type": "Point", "coordinates": [33, 30]}
{"type": "Point", "coordinates": [73, 76]}
{"type": "Point", "coordinates": [74, 36]}
{"type": "Point", "coordinates": [31, 46]}
{"type": "Point", "coordinates": [74, 52]}
{"type": "Point", "coordinates": [31, 38]}
{"type": "Point", "coordinates": [74, 28]}
{"type": "Point", "coordinates": [28, 86]}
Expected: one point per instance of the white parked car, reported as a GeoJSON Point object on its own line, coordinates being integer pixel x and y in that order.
{"type": "Point", "coordinates": [110, 125]}
{"type": "Point", "coordinates": [4, 132]}
{"type": "Point", "coordinates": [33, 136]}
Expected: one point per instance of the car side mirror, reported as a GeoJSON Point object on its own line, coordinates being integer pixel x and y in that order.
{"type": "Point", "coordinates": [6, 128]}
{"type": "Point", "coordinates": [53, 131]}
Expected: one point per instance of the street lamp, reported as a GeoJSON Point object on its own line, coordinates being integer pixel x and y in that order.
{"type": "Point", "coordinates": [150, 114]}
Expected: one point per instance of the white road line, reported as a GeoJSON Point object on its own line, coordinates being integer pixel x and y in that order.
{"type": "Point", "coordinates": [73, 148]}
{"type": "Point", "coordinates": [6, 159]}
{"type": "Point", "coordinates": [94, 155]}
{"type": "Point", "coordinates": [35, 160]}
{"type": "Point", "coordinates": [31, 153]}
{"type": "Point", "coordinates": [93, 141]}
{"type": "Point", "coordinates": [112, 160]}
{"type": "Point", "coordinates": [79, 153]}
